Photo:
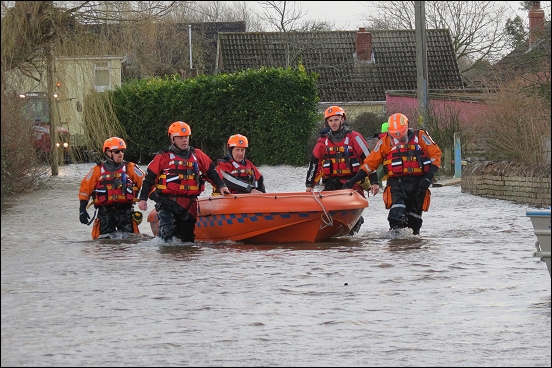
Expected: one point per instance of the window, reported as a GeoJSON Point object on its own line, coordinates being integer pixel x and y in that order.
{"type": "Point", "coordinates": [102, 82]}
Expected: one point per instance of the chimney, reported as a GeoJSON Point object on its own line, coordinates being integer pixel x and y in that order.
{"type": "Point", "coordinates": [363, 45]}
{"type": "Point", "coordinates": [536, 23]}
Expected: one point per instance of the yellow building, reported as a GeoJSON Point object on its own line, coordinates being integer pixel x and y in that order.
{"type": "Point", "coordinates": [74, 78]}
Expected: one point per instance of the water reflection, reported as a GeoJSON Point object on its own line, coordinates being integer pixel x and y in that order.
{"type": "Point", "coordinates": [118, 246]}
{"type": "Point", "coordinates": [542, 307]}
{"type": "Point", "coordinates": [336, 244]}
{"type": "Point", "coordinates": [109, 251]}
{"type": "Point", "coordinates": [397, 245]}
{"type": "Point", "coordinates": [180, 252]}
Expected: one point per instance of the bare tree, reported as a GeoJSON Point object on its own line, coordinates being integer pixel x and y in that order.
{"type": "Point", "coordinates": [315, 26]}
{"type": "Point", "coordinates": [284, 16]}
{"type": "Point", "coordinates": [476, 27]}
{"type": "Point", "coordinates": [35, 33]}
{"type": "Point", "coordinates": [241, 10]}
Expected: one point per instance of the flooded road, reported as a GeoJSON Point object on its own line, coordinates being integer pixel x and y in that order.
{"type": "Point", "coordinates": [467, 292]}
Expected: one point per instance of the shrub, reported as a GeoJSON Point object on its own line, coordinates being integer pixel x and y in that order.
{"type": "Point", "coordinates": [20, 169]}
{"type": "Point", "coordinates": [516, 125]}
{"type": "Point", "coordinates": [275, 108]}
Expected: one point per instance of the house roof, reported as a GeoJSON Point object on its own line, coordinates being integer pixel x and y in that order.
{"type": "Point", "coordinates": [209, 31]}
{"type": "Point", "coordinates": [519, 58]}
{"type": "Point", "coordinates": [525, 58]}
{"type": "Point", "coordinates": [344, 74]}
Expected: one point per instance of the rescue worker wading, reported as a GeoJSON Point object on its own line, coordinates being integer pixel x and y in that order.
{"type": "Point", "coordinates": [174, 179]}
{"type": "Point", "coordinates": [238, 173]}
{"type": "Point", "coordinates": [410, 160]}
{"type": "Point", "coordinates": [113, 186]}
{"type": "Point", "coordinates": [337, 156]}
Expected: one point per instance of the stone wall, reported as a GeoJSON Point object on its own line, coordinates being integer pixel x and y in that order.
{"type": "Point", "coordinates": [522, 183]}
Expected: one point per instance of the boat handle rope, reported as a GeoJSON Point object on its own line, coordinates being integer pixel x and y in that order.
{"type": "Point", "coordinates": [328, 220]}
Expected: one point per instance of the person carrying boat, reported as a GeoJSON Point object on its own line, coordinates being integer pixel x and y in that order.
{"type": "Point", "coordinates": [410, 161]}
{"type": "Point", "coordinates": [337, 156]}
{"type": "Point", "coordinates": [238, 173]}
{"type": "Point", "coordinates": [175, 177]}
{"type": "Point", "coordinates": [113, 186]}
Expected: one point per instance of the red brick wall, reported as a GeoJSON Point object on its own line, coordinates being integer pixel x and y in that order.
{"type": "Point", "coordinates": [364, 45]}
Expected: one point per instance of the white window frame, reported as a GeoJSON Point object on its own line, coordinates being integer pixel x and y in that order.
{"type": "Point", "coordinates": [102, 67]}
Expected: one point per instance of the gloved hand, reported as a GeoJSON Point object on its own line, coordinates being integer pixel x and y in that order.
{"type": "Point", "coordinates": [84, 217]}
{"type": "Point", "coordinates": [423, 185]}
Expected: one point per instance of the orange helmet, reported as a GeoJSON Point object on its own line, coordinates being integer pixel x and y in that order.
{"type": "Point", "coordinates": [179, 129]}
{"type": "Point", "coordinates": [114, 143]}
{"type": "Point", "coordinates": [398, 125]}
{"type": "Point", "coordinates": [334, 110]}
{"type": "Point", "coordinates": [238, 140]}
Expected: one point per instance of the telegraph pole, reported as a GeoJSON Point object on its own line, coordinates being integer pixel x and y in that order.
{"type": "Point", "coordinates": [421, 62]}
{"type": "Point", "coordinates": [52, 110]}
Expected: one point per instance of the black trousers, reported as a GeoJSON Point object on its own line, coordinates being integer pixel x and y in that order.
{"type": "Point", "coordinates": [406, 210]}
{"type": "Point", "coordinates": [172, 224]}
{"type": "Point", "coordinates": [115, 218]}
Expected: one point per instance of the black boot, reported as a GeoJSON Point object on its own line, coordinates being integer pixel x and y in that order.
{"type": "Point", "coordinates": [357, 226]}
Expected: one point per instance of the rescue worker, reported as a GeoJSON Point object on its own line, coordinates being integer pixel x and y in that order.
{"type": "Point", "coordinates": [372, 143]}
{"type": "Point", "coordinates": [384, 130]}
{"type": "Point", "coordinates": [113, 186]}
{"type": "Point", "coordinates": [376, 137]}
{"type": "Point", "coordinates": [410, 160]}
{"type": "Point", "coordinates": [175, 177]}
{"type": "Point", "coordinates": [238, 173]}
{"type": "Point", "coordinates": [337, 156]}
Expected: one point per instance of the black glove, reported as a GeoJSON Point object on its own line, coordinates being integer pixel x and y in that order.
{"type": "Point", "coordinates": [84, 217]}
{"type": "Point", "coordinates": [423, 185]}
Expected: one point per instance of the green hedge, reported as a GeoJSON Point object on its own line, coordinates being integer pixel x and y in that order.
{"type": "Point", "coordinates": [275, 108]}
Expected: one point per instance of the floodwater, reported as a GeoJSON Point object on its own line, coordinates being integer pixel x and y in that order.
{"type": "Point", "coordinates": [466, 292]}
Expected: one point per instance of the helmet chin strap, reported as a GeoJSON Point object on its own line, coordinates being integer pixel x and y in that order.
{"type": "Point", "coordinates": [172, 144]}
{"type": "Point", "coordinates": [109, 159]}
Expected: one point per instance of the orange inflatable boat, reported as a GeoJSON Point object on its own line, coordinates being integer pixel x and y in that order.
{"type": "Point", "coordinates": [276, 217]}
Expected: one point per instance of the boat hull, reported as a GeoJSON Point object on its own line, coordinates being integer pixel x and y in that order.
{"type": "Point", "coordinates": [541, 226]}
{"type": "Point", "coordinates": [278, 217]}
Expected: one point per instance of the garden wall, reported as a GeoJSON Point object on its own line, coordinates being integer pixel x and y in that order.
{"type": "Point", "coordinates": [522, 183]}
